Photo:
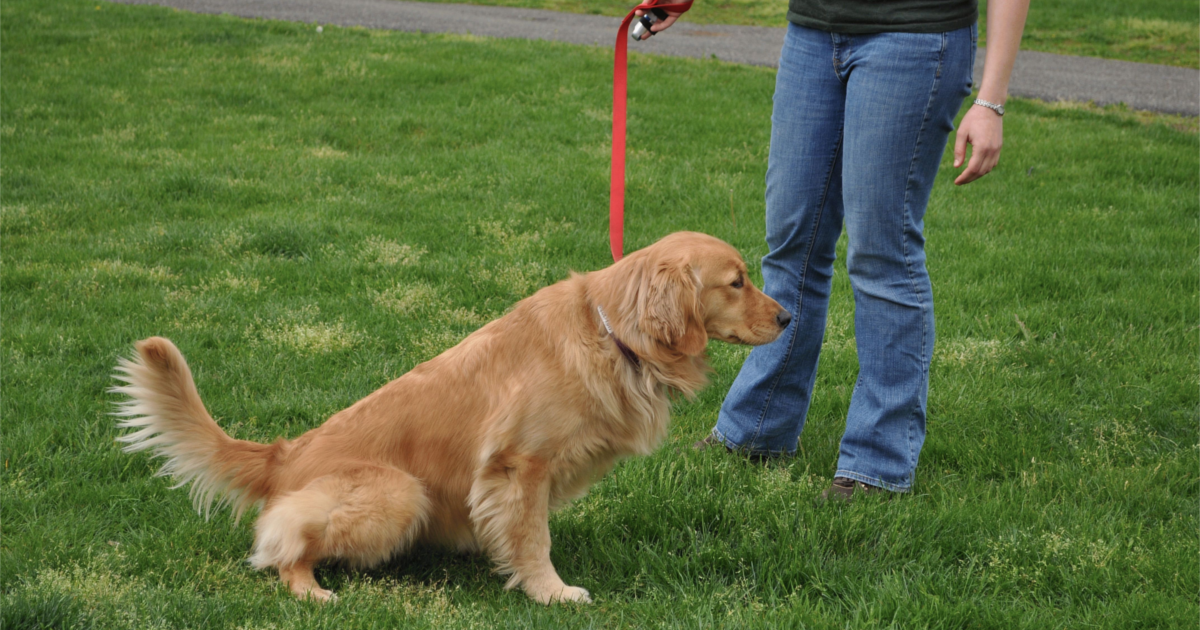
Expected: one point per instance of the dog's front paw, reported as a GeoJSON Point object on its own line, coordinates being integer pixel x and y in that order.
{"type": "Point", "coordinates": [574, 594]}
{"type": "Point", "coordinates": [319, 595]}
{"type": "Point", "coordinates": [560, 592]}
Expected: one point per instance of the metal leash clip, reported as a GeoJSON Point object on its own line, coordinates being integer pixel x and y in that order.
{"type": "Point", "coordinates": [643, 25]}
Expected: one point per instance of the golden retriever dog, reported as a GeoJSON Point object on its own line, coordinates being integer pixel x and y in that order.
{"type": "Point", "coordinates": [473, 448]}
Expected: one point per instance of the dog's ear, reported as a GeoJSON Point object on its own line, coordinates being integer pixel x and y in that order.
{"type": "Point", "coordinates": [669, 308]}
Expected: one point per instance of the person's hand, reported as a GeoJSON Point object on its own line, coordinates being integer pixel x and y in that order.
{"type": "Point", "coordinates": [983, 129]}
{"type": "Point", "coordinates": [660, 25]}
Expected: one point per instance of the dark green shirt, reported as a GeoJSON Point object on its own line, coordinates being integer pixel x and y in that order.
{"type": "Point", "coordinates": [880, 16]}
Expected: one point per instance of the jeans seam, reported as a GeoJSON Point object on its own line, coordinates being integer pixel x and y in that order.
{"type": "Point", "coordinates": [941, 57]}
{"type": "Point", "coordinates": [812, 238]}
{"type": "Point", "coordinates": [904, 237]}
{"type": "Point", "coordinates": [841, 53]}
{"type": "Point", "coordinates": [833, 59]}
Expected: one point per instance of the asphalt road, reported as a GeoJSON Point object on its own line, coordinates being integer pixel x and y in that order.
{"type": "Point", "coordinates": [1036, 75]}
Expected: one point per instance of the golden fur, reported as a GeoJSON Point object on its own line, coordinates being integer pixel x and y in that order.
{"type": "Point", "coordinates": [473, 448]}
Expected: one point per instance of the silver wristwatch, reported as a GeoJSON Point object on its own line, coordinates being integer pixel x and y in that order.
{"type": "Point", "coordinates": [999, 109]}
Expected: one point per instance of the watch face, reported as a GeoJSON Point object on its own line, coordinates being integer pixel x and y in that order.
{"type": "Point", "coordinates": [1000, 109]}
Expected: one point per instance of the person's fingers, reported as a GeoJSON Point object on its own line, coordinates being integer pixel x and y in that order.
{"type": "Point", "coordinates": [973, 170]}
{"type": "Point", "coordinates": [665, 24]}
{"type": "Point", "coordinates": [983, 160]}
{"type": "Point", "coordinates": [991, 157]}
{"type": "Point", "coordinates": [960, 147]}
{"type": "Point", "coordinates": [991, 163]}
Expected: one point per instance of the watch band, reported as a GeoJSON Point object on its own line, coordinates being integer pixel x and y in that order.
{"type": "Point", "coordinates": [999, 109]}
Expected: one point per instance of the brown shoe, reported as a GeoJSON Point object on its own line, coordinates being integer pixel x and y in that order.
{"type": "Point", "coordinates": [713, 441]}
{"type": "Point", "coordinates": [708, 442]}
{"type": "Point", "coordinates": [843, 489]}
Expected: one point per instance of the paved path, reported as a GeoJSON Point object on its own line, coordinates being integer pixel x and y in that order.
{"type": "Point", "coordinates": [1036, 75]}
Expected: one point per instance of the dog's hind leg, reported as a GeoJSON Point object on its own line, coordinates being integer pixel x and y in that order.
{"type": "Point", "coordinates": [363, 515]}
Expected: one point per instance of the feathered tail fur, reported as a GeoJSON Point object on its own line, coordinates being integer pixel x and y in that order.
{"type": "Point", "coordinates": [169, 419]}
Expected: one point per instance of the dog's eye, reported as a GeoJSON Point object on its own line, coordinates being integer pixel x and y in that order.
{"type": "Point", "coordinates": [737, 284]}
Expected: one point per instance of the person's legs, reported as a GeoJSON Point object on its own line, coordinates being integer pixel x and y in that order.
{"type": "Point", "coordinates": [765, 409]}
{"type": "Point", "coordinates": [903, 92]}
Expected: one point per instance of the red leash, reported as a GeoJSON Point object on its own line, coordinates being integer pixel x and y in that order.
{"type": "Point", "coordinates": [616, 203]}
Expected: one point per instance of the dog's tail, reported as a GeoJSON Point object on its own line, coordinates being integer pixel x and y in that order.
{"type": "Point", "coordinates": [170, 420]}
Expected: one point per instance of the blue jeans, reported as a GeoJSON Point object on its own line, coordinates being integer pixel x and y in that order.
{"type": "Point", "coordinates": [857, 133]}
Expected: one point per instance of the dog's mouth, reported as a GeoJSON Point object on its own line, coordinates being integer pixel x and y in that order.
{"type": "Point", "coordinates": [729, 337]}
{"type": "Point", "coordinates": [753, 338]}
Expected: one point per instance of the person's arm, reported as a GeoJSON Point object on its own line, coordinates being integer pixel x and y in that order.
{"type": "Point", "coordinates": [981, 127]}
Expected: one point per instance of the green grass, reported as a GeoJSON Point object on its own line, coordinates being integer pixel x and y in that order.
{"type": "Point", "coordinates": [1151, 31]}
{"type": "Point", "coordinates": [1148, 31]}
{"type": "Point", "coordinates": [308, 216]}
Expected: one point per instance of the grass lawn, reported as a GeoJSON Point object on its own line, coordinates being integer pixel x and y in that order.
{"type": "Point", "coordinates": [310, 215]}
{"type": "Point", "coordinates": [1149, 31]}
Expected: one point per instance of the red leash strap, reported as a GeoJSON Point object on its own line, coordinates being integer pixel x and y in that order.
{"type": "Point", "coordinates": [616, 199]}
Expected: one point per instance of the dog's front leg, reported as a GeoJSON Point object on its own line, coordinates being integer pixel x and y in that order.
{"type": "Point", "coordinates": [510, 508]}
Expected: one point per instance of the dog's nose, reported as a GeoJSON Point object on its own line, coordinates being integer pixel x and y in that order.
{"type": "Point", "coordinates": [783, 318]}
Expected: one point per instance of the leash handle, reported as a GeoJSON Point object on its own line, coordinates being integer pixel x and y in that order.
{"type": "Point", "coordinates": [616, 198]}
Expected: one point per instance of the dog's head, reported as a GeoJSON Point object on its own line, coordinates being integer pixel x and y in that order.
{"type": "Point", "coordinates": [692, 287]}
